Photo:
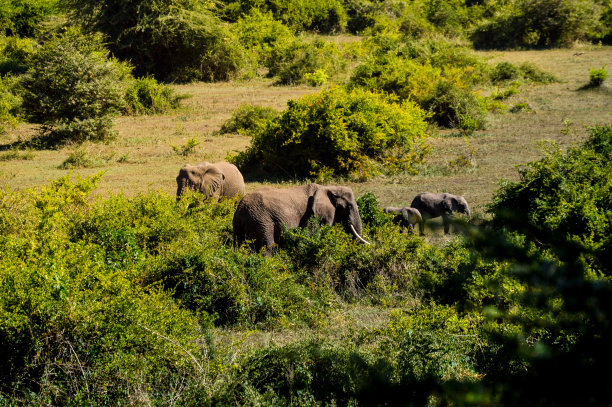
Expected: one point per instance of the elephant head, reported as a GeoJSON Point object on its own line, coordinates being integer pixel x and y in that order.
{"type": "Point", "coordinates": [218, 180]}
{"type": "Point", "coordinates": [336, 204]}
{"type": "Point", "coordinates": [456, 203]}
{"type": "Point", "coordinates": [204, 177]}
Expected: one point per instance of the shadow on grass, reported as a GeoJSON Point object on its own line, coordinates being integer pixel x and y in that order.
{"type": "Point", "coordinates": [594, 87]}
{"type": "Point", "coordinates": [41, 141]}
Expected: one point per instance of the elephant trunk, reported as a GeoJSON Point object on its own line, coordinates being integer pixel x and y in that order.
{"type": "Point", "coordinates": [182, 184]}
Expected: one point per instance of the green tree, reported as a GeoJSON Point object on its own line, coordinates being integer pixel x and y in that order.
{"type": "Point", "coordinates": [171, 39]}
{"type": "Point", "coordinates": [73, 88]}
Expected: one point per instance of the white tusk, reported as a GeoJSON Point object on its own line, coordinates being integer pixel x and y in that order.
{"type": "Point", "coordinates": [361, 239]}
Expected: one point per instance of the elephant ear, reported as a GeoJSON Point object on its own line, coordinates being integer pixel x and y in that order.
{"type": "Point", "coordinates": [324, 205]}
{"type": "Point", "coordinates": [212, 181]}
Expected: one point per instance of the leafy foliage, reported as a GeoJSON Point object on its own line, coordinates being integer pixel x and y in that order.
{"type": "Point", "coordinates": [73, 88]}
{"type": "Point", "coordinates": [341, 132]}
{"type": "Point", "coordinates": [147, 96]}
{"type": "Point", "coordinates": [435, 74]}
{"type": "Point", "coordinates": [23, 18]}
{"type": "Point", "coordinates": [315, 15]}
{"type": "Point", "coordinates": [597, 77]}
{"type": "Point", "coordinates": [506, 71]}
{"type": "Point", "coordinates": [556, 245]}
{"type": "Point", "coordinates": [170, 39]}
{"type": "Point", "coordinates": [9, 104]}
{"type": "Point", "coordinates": [566, 193]}
{"type": "Point", "coordinates": [539, 23]}
{"type": "Point", "coordinates": [247, 119]}
{"type": "Point", "coordinates": [96, 293]}
{"type": "Point", "coordinates": [261, 34]}
{"type": "Point", "coordinates": [14, 54]}
{"type": "Point", "coordinates": [291, 61]}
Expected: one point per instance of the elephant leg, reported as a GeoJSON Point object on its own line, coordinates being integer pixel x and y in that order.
{"type": "Point", "coordinates": [422, 227]}
{"type": "Point", "coordinates": [447, 222]}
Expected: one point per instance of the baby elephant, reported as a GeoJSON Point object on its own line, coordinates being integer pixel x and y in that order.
{"type": "Point", "coordinates": [406, 217]}
{"type": "Point", "coordinates": [435, 205]}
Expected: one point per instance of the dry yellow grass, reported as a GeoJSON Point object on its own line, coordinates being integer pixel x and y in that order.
{"type": "Point", "coordinates": [141, 157]}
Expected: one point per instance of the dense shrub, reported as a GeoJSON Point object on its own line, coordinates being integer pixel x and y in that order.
{"type": "Point", "coordinates": [146, 96]}
{"type": "Point", "coordinates": [73, 326]}
{"type": "Point", "coordinates": [454, 106]}
{"type": "Point", "coordinates": [23, 17]}
{"type": "Point", "coordinates": [73, 88]}
{"type": "Point", "coordinates": [314, 15]}
{"type": "Point", "coordinates": [9, 104]}
{"type": "Point", "coordinates": [597, 77]}
{"type": "Point", "coordinates": [14, 54]}
{"type": "Point", "coordinates": [170, 39]}
{"type": "Point", "coordinates": [555, 243]}
{"type": "Point", "coordinates": [291, 61]}
{"type": "Point", "coordinates": [539, 23]}
{"type": "Point", "coordinates": [435, 74]}
{"type": "Point", "coordinates": [247, 119]}
{"type": "Point", "coordinates": [566, 193]}
{"type": "Point", "coordinates": [417, 356]}
{"type": "Point", "coordinates": [261, 34]}
{"type": "Point", "coordinates": [340, 132]}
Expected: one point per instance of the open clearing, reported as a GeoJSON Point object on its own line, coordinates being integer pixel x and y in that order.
{"type": "Point", "coordinates": [141, 157]}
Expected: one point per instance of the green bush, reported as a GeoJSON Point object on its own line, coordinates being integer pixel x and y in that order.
{"type": "Point", "coordinates": [146, 96]}
{"type": "Point", "coordinates": [170, 39]}
{"type": "Point", "coordinates": [506, 71]}
{"type": "Point", "coordinates": [261, 34]}
{"type": "Point", "coordinates": [313, 15]}
{"type": "Point", "coordinates": [14, 54]}
{"type": "Point", "coordinates": [73, 88]}
{"type": "Point", "coordinates": [23, 18]}
{"type": "Point", "coordinates": [422, 356]}
{"type": "Point", "coordinates": [453, 106]}
{"type": "Point", "coordinates": [340, 132]}
{"type": "Point", "coordinates": [539, 23]}
{"type": "Point", "coordinates": [550, 232]}
{"type": "Point", "coordinates": [291, 61]}
{"type": "Point", "coordinates": [436, 74]}
{"type": "Point", "coordinates": [566, 193]}
{"type": "Point", "coordinates": [9, 104]}
{"type": "Point", "coordinates": [597, 77]}
{"type": "Point", "coordinates": [73, 325]}
{"type": "Point", "coordinates": [247, 119]}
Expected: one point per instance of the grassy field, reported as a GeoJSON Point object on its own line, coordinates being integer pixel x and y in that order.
{"type": "Point", "coordinates": [141, 158]}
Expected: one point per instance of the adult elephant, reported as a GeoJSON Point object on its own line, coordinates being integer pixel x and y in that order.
{"type": "Point", "coordinates": [216, 180]}
{"type": "Point", "coordinates": [435, 205]}
{"type": "Point", "coordinates": [406, 217]}
{"type": "Point", "coordinates": [261, 214]}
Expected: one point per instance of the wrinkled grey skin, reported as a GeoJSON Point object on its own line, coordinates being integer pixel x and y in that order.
{"type": "Point", "coordinates": [261, 214]}
{"type": "Point", "coordinates": [406, 217]}
{"type": "Point", "coordinates": [216, 180]}
{"type": "Point", "coordinates": [435, 205]}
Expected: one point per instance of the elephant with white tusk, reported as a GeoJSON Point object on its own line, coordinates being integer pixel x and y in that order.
{"type": "Point", "coordinates": [216, 180]}
{"type": "Point", "coordinates": [435, 205]}
{"type": "Point", "coordinates": [406, 217]}
{"type": "Point", "coordinates": [261, 214]}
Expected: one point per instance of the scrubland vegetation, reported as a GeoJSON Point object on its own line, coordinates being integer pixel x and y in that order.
{"type": "Point", "coordinates": [112, 292]}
